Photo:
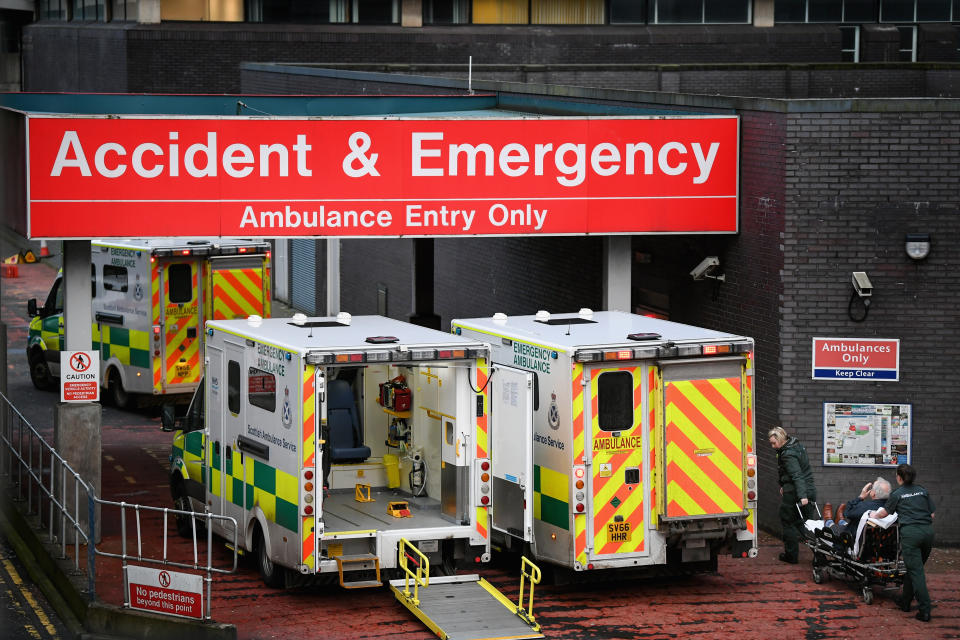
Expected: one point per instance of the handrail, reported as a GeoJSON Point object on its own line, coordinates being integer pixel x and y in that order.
{"type": "Point", "coordinates": [534, 577]}
{"type": "Point", "coordinates": [21, 445]}
{"type": "Point", "coordinates": [421, 577]}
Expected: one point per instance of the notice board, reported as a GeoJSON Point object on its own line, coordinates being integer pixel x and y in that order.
{"type": "Point", "coordinates": [866, 434]}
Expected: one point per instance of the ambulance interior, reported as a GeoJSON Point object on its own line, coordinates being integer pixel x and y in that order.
{"type": "Point", "coordinates": [396, 433]}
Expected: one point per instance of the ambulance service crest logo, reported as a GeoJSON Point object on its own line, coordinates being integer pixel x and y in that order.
{"type": "Point", "coordinates": [553, 416]}
{"type": "Point", "coordinates": [286, 411]}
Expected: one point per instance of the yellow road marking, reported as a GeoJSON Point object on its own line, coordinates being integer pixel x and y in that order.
{"type": "Point", "coordinates": [41, 615]}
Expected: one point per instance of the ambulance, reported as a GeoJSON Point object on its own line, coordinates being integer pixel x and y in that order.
{"type": "Point", "coordinates": [150, 300]}
{"type": "Point", "coordinates": [331, 440]}
{"type": "Point", "coordinates": [625, 441]}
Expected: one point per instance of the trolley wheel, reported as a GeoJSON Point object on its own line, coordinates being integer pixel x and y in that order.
{"type": "Point", "coordinates": [817, 575]}
{"type": "Point", "coordinates": [867, 595]}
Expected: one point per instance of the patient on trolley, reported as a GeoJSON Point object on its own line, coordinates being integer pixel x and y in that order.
{"type": "Point", "coordinates": [846, 527]}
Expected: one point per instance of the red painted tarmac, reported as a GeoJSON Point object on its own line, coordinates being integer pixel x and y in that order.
{"type": "Point", "coordinates": [759, 598]}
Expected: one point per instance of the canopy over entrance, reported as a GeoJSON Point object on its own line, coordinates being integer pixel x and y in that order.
{"type": "Point", "coordinates": [87, 166]}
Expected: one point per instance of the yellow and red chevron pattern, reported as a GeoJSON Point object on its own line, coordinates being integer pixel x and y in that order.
{"type": "Point", "coordinates": [483, 443]}
{"type": "Point", "coordinates": [704, 437]}
{"type": "Point", "coordinates": [308, 543]}
{"type": "Point", "coordinates": [237, 293]}
{"type": "Point", "coordinates": [577, 395]}
{"type": "Point", "coordinates": [653, 404]}
{"type": "Point", "coordinates": [618, 521]}
{"type": "Point", "coordinates": [155, 314]}
{"type": "Point", "coordinates": [182, 353]}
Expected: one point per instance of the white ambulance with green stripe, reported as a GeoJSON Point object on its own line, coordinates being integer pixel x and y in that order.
{"type": "Point", "coordinates": [150, 299]}
{"type": "Point", "coordinates": [329, 440]}
{"type": "Point", "coordinates": [642, 452]}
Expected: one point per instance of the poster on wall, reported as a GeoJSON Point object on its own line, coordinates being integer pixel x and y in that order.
{"type": "Point", "coordinates": [873, 435]}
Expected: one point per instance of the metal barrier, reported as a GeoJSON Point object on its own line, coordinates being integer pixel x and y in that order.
{"type": "Point", "coordinates": [28, 460]}
{"type": "Point", "coordinates": [421, 577]}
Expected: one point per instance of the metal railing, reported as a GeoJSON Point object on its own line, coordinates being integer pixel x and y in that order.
{"type": "Point", "coordinates": [420, 576]}
{"type": "Point", "coordinates": [528, 571]}
{"type": "Point", "coordinates": [33, 468]}
{"type": "Point", "coordinates": [39, 477]}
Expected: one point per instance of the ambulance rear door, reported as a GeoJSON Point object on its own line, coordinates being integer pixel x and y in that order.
{"type": "Point", "coordinates": [619, 474]}
{"type": "Point", "coordinates": [180, 295]}
{"type": "Point", "coordinates": [511, 453]}
{"type": "Point", "coordinates": [238, 287]}
{"type": "Point", "coordinates": [703, 435]}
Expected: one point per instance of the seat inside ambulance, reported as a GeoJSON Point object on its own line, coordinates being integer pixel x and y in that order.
{"type": "Point", "coordinates": [346, 441]}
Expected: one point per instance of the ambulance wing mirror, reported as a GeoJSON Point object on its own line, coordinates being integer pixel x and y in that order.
{"type": "Point", "coordinates": [168, 417]}
{"type": "Point", "coordinates": [32, 308]}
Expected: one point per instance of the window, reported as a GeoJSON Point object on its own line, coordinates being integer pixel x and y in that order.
{"type": "Point", "coordinates": [825, 11]}
{"type": "Point", "coordinates": [262, 389]}
{"type": "Point", "coordinates": [446, 11]}
{"type": "Point", "coordinates": [233, 387]}
{"type": "Point", "coordinates": [180, 282]}
{"type": "Point", "coordinates": [124, 10]}
{"type": "Point", "coordinates": [908, 43]}
{"type": "Point", "coordinates": [699, 11]}
{"type": "Point", "coordinates": [114, 278]}
{"type": "Point", "coordinates": [52, 9]}
{"type": "Point", "coordinates": [627, 11]}
{"type": "Point", "coordinates": [290, 11]}
{"type": "Point", "coordinates": [89, 10]}
{"type": "Point", "coordinates": [850, 44]}
{"type": "Point", "coordinates": [615, 401]}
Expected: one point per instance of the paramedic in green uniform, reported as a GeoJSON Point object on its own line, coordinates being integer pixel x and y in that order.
{"type": "Point", "coordinates": [914, 507]}
{"type": "Point", "coordinates": [796, 485]}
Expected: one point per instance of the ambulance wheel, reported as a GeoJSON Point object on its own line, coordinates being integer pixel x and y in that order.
{"type": "Point", "coordinates": [272, 574]}
{"type": "Point", "coordinates": [184, 527]}
{"type": "Point", "coordinates": [40, 372]}
{"type": "Point", "coordinates": [118, 395]}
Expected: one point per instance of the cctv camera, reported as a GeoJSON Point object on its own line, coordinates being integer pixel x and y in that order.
{"type": "Point", "coordinates": [862, 284]}
{"type": "Point", "coordinates": [706, 265]}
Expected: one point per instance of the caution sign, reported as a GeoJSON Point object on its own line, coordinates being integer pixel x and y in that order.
{"type": "Point", "coordinates": [162, 591]}
{"type": "Point", "coordinates": [79, 376]}
{"type": "Point", "coordinates": [618, 532]}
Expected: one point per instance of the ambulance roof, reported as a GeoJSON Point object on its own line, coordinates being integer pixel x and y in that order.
{"type": "Point", "coordinates": [145, 244]}
{"type": "Point", "coordinates": [602, 328]}
{"type": "Point", "coordinates": [328, 333]}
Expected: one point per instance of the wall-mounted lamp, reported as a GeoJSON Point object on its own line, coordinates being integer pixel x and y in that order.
{"type": "Point", "coordinates": [706, 268]}
{"type": "Point", "coordinates": [918, 245]}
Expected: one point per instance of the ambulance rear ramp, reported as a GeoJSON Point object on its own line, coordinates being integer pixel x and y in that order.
{"type": "Point", "coordinates": [465, 607]}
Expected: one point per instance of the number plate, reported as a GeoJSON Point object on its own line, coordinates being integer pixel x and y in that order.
{"type": "Point", "coordinates": [183, 369]}
{"type": "Point", "coordinates": [618, 532]}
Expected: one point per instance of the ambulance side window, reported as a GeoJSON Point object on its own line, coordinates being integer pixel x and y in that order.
{"type": "Point", "coordinates": [180, 277]}
{"type": "Point", "coordinates": [233, 387]}
{"type": "Point", "coordinates": [93, 281]}
{"type": "Point", "coordinates": [615, 400]}
{"type": "Point", "coordinates": [262, 389]}
{"type": "Point", "coordinates": [114, 278]}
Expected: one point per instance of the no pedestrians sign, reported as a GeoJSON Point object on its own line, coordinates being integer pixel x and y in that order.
{"type": "Point", "coordinates": [79, 376]}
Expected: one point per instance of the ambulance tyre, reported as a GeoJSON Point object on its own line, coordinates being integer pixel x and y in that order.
{"type": "Point", "coordinates": [118, 395]}
{"type": "Point", "coordinates": [274, 576]}
{"type": "Point", "coordinates": [184, 527]}
{"type": "Point", "coordinates": [39, 371]}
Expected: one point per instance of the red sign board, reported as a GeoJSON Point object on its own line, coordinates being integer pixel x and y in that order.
{"type": "Point", "coordinates": [147, 176]}
{"type": "Point", "coordinates": [161, 591]}
{"type": "Point", "coordinates": [869, 359]}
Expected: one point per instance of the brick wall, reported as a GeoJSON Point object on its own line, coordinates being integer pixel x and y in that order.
{"type": "Point", "coordinates": [205, 57]}
{"type": "Point", "coordinates": [856, 183]}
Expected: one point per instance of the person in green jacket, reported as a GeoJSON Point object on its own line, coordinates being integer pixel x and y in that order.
{"type": "Point", "coordinates": [796, 486]}
{"type": "Point", "coordinates": [915, 510]}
